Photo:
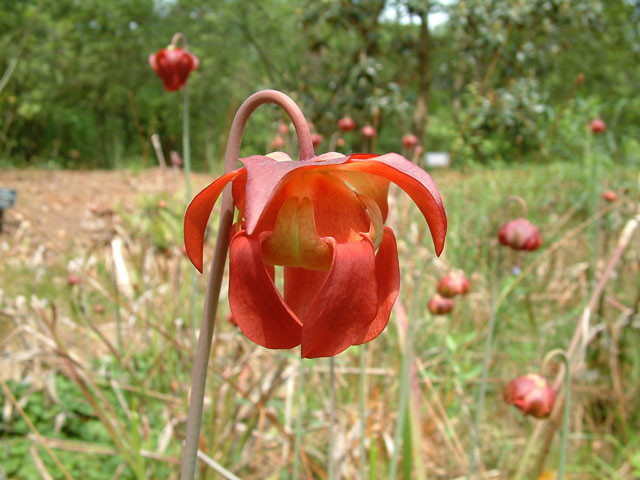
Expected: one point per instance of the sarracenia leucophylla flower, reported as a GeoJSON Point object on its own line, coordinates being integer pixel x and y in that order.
{"type": "Point", "coordinates": [347, 262]}
{"type": "Point", "coordinates": [322, 219]}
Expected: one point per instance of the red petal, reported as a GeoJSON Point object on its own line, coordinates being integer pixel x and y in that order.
{"type": "Point", "coordinates": [301, 287]}
{"type": "Point", "coordinates": [255, 302]}
{"type": "Point", "coordinates": [371, 186]}
{"type": "Point", "coordinates": [197, 216]}
{"type": "Point", "coordinates": [152, 62]}
{"type": "Point", "coordinates": [388, 283]}
{"type": "Point", "coordinates": [346, 303]}
{"type": "Point", "coordinates": [412, 179]}
{"type": "Point", "coordinates": [265, 176]}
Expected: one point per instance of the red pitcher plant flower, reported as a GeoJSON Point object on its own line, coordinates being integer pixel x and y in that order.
{"type": "Point", "coordinates": [439, 305]}
{"type": "Point", "coordinates": [520, 234]}
{"type": "Point", "coordinates": [452, 284]}
{"type": "Point", "coordinates": [610, 196]}
{"type": "Point", "coordinates": [597, 126]}
{"type": "Point", "coordinates": [321, 219]}
{"type": "Point", "coordinates": [368, 131]}
{"type": "Point", "coordinates": [346, 124]}
{"type": "Point", "coordinates": [410, 141]}
{"type": "Point", "coordinates": [532, 394]}
{"type": "Point", "coordinates": [173, 64]}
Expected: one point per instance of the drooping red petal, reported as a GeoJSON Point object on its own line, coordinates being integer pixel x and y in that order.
{"type": "Point", "coordinates": [388, 284]}
{"type": "Point", "coordinates": [265, 177]}
{"type": "Point", "coordinates": [346, 303]}
{"type": "Point", "coordinates": [255, 302]}
{"type": "Point", "coordinates": [152, 62]}
{"type": "Point", "coordinates": [301, 287]}
{"type": "Point", "coordinates": [197, 216]}
{"type": "Point", "coordinates": [417, 183]}
{"type": "Point", "coordinates": [372, 186]}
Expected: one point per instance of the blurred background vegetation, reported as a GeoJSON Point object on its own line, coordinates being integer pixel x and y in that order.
{"type": "Point", "coordinates": [76, 89]}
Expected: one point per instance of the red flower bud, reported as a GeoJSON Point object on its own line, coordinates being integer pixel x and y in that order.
{"type": "Point", "coordinates": [277, 143]}
{"type": "Point", "coordinates": [73, 279]}
{"type": "Point", "coordinates": [453, 284]}
{"type": "Point", "coordinates": [368, 131]}
{"type": "Point", "coordinates": [439, 305]}
{"type": "Point", "coordinates": [283, 128]}
{"type": "Point", "coordinates": [520, 234]}
{"type": "Point", "coordinates": [597, 126]}
{"type": "Point", "coordinates": [410, 140]}
{"type": "Point", "coordinates": [340, 142]}
{"type": "Point", "coordinates": [346, 124]}
{"type": "Point", "coordinates": [316, 139]}
{"type": "Point", "coordinates": [532, 394]}
{"type": "Point", "coordinates": [610, 196]}
{"type": "Point", "coordinates": [173, 65]}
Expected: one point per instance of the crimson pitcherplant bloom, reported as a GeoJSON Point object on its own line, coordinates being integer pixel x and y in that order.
{"type": "Point", "coordinates": [532, 394]}
{"type": "Point", "coordinates": [173, 65]}
{"type": "Point", "coordinates": [323, 221]}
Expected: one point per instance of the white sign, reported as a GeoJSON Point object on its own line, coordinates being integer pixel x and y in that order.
{"type": "Point", "coordinates": [437, 159]}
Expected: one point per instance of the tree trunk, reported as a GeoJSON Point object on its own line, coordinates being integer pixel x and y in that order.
{"type": "Point", "coordinates": [421, 112]}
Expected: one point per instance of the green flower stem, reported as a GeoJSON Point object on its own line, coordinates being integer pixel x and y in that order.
{"type": "Point", "coordinates": [485, 366]}
{"type": "Point", "coordinates": [405, 373]}
{"type": "Point", "coordinates": [332, 418]}
{"type": "Point", "coordinates": [201, 359]}
{"type": "Point", "coordinates": [363, 412]}
{"type": "Point", "coordinates": [564, 440]}
{"type": "Point", "coordinates": [298, 438]}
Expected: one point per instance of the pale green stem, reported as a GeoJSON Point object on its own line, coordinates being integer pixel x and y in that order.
{"type": "Point", "coordinates": [564, 439]}
{"type": "Point", "coordinates": [475, 434]}
{"type": "Point", "coordinates": [405, 373]}
{"type": "Point", "coordinates": [201, 359]}
{"type": "Point", "coordinates": [593, 201]}
{"type": "Point", "coordinates": [298, 438]}
{"type": "Point", "coordinates": [363, 413]}
{"type": "Point", "coordinates": [186, 153]}
{"type": "Point", "coordinates": [332, 417]}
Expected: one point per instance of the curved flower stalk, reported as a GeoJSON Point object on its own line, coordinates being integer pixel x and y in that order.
{"type": "Point", "coordinates": [322, 220]}
{"type": "Point", "coordinates": [174, 64]}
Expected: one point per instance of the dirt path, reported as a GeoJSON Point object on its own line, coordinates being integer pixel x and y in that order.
{"type": "Point", "coordinates": [62, 208]}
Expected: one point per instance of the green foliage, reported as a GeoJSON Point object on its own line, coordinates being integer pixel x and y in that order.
{"type": "Point", "coordinates": [76, 88]}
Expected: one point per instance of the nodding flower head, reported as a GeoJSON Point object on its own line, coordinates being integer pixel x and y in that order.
{"type": "Point", "coordinates": [532, 394]}
{"type": "Point", "coordinates": [410, 141]}
{"type": "Point", "coordinates": [597, 126]}
{"type": "Point", "coordinates": [610, 196]}
{"type": "Point", "coordinates": [346, 124]}
{"type": "Point", "coordinates": [452, 284]}
{"type": "Point", "coordinates": [368, 131]}
{"type": "Point", "coordinates": [173, 65]}
{"type": "Point", "coordinates": [322, 220]}
{"type": "Point", "coordinates": [439, 305]}
{"type": "Point", "coordinates": [520, 234]}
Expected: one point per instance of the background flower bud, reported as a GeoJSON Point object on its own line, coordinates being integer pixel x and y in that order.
{"type": "Point", "coordinates": [532, 394]}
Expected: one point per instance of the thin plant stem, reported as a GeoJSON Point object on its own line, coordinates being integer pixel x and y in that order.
{"type": "Point", "coordinates": [363, 412]}
{"type": "Point", "coordinates": [332, 417]}
{"type": "Point", "coordinates": [475, 434]}
{"type": "Point", "coordinates": [298, 438]}
{"type": "Point", "coordinates": [201, 359]}
{"type": "Point", "coordinates": [186, 153]}
{"type": "Point", "coordinates": [567, 407]}
{"type": "Point", "coordinates": [405, 373]}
